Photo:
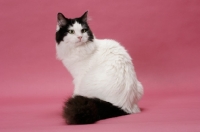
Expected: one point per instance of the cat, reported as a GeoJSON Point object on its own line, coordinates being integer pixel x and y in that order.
{"type": "Point", "coordinates": [105, 82]}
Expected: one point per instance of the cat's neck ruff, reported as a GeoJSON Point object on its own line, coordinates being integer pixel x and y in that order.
{"type": "Point", "coordinates": [68, 51]}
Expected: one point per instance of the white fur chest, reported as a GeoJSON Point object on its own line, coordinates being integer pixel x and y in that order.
{"type": "Point", "coordinates": [76, 59]}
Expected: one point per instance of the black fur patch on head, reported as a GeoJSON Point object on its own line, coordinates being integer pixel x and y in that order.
{"type": "Point", "coordinates": [83, 110]}
{"type": "Point", "coordinates": [64, 24]}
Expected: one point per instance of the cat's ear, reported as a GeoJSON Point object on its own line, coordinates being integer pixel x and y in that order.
{"type": "Point", "coordinates": [62, 21]}
{"type": "Point", "coordinates": [84, 17]}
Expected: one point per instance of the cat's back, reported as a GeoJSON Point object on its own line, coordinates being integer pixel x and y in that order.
{"type": "Point", "coordinates": [110, 49]}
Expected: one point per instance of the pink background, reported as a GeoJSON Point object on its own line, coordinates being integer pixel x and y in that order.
{"type": "Point", "coordinates": [162, 36]}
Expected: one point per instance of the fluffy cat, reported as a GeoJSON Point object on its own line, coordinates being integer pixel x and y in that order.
{"type": "Point", "coordinates": [105, 81]}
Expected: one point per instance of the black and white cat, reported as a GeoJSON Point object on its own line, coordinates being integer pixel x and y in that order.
{"type": "Point", "coordinates": [105, 81]}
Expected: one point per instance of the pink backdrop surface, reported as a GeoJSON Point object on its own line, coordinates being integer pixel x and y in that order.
{"type": "Point", "coordinates": [162, 37]}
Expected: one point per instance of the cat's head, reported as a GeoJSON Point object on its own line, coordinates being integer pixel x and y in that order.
{"type": "Point", "coordinates": [73, 31]}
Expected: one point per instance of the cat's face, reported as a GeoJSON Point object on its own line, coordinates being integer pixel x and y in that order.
{"type": "Point", "coordinates": [73, 31]}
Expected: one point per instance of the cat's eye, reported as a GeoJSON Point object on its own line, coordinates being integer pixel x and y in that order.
{"type": "Point", "coordinates": [83, 30]}
{"type": "Point", "coordinates": [71, 31]}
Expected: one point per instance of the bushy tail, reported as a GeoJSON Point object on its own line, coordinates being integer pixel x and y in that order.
{"type": "Point", "coordinates": [83, 110]}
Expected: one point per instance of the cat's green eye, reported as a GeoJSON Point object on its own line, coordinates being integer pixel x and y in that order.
{"type": "Point", "coordinates": [71, 31]}
{"type": "Point", "coordinates": [83, 30]}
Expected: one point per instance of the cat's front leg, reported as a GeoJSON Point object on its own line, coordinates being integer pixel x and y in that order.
{"type": "Point", "coordinates": [135, 109]}
{"type": "Point", "coordinates": [76, 83]}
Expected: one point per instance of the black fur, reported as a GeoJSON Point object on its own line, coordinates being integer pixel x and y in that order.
{"type": "Point", "coordinates": [69, 22]}
{"type": "Point", "coordinates": [83, 110]}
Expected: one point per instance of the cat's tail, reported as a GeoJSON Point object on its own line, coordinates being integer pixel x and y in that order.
{"type": "Point", "coordinates": [83, 110]}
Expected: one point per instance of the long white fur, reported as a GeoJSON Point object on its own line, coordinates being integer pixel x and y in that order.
{"type": "Point", "coordinates": [101, 69]}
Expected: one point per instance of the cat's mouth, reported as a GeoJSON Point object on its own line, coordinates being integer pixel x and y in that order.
{"type": "Point", "coordinates": [79, 42]}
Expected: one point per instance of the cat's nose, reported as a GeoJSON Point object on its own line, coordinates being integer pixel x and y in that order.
{"type": "Point", "coordinates": [80, 37]}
